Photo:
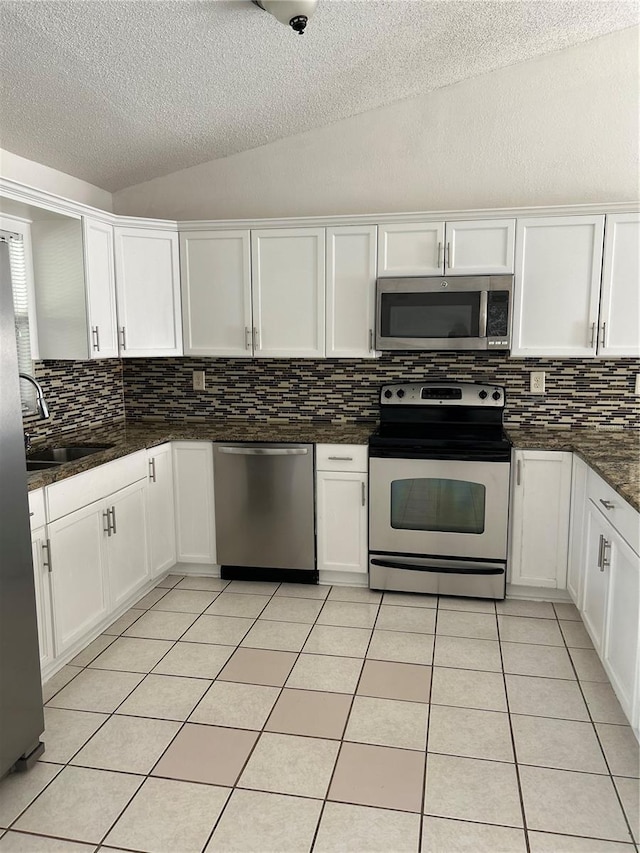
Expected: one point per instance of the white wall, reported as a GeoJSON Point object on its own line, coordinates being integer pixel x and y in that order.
{"type": "Point", "coordinates": [559, 129]}
{"type": "Point", "coordinates": [34, 174]}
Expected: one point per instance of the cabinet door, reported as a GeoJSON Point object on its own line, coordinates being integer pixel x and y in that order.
{"type": "Point", "coordinates": [288, 292]}
{"type": "Point", "coordinates": [43, 596]}
{"type": "Point", "coordinates": [557, 285]}
{"type": "Point", "coordinates": [540, 518]}
{"type": "Point", "coordinates": [415, 248]}
{"type": "Point", "coordinates": [480, 247]}
{"type": "Point", "coordinates": [342, 522]}
{"type": "Point", "coordinates": [619, 333]}
{"type": "Point", "coordinates": [216, 293]}
{"type": "Point", "coordinates": [623, 618]}
{"type": "Point", "coordinates": [351, 283]}
{"type": "Point", "coordinates": [100, 282]}
{"type": "Point", "coordinates": [193, 483]}
{"type": "Point", "coordinates": [161, 510]}
{"type": "Point", "coordinates": [148, 292]}
{"type": "Point", "coordinates": [128, 561]}
{"type": "Point", "coordinates": [576, 560]}
{"type": "Point", "coordinates": [596, 576]}
{"type": "Point", "coordinates": [79, 580]}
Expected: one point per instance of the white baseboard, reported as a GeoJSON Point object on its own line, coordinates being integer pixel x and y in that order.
{"type": "Point", "coordinates": [538, 593]}
{"type": "Point", "coordinates": [344, 578]}
{"type": "Point", "coordinates": [201, 570]}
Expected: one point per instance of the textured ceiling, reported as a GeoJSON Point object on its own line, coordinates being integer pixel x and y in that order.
{"type": "Point", "coordinates": [120, 91]}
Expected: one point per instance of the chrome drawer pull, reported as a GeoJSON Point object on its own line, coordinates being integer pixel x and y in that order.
{"type": "Point", "coordinates": [340, 458]}
{"type": "Point", "coordinates": [607, 504]}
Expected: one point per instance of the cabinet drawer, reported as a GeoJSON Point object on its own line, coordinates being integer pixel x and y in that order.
{"type": "Point", "coordinates": [341, 457]}
{"type": "Point", "coordinates": [83, 489]}
{"type": "Point", "coordinates": [615, 509]}
{"type": "Point", "coordinates": [36, 508]}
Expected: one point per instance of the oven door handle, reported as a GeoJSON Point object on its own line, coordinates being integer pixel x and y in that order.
{"type": "Point", "coordinates": [453, 568]}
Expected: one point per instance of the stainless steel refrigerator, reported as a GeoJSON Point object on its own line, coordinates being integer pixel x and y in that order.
{"type": "Point", "coordinates": [21, 714]}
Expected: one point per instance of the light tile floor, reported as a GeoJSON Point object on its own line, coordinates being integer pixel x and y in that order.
{"type": "Point", "coordinates": [219, 716]}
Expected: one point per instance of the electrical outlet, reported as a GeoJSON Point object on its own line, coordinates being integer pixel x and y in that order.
{"type": "Point", "coordinates": [198, 380]}
{"type": "Point", "coordinates": [536, 382]}
{"type": "Point", "coordinates": [637, 383]}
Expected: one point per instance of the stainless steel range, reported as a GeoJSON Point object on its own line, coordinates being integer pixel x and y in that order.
{"type": "Point", "coordinates": [439, 490]}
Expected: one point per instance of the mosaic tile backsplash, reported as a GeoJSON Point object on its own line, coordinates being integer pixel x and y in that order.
{"type": "Point", "coordinates": [582, 392]}
{"type": "Point", "coordinates": [78, 393]}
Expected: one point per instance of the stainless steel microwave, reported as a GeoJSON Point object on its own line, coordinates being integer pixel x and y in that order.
{"type": "Point", "coordinates": [454, 313]}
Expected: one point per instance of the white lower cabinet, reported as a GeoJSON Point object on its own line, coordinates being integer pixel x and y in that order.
{"type": "Point", "coordinates": [79, 574]}
{"type": "Point", "coordinates": [576, 529]}
{"type": "Point", "coordinates": [341, 513]}
{"type": "Point", "coordinates": [126, 545]}
{"type": "Point", "coordinates": [193, 488]}
{"type": "Point", "coordinates": [161, 510]}
{"type": "Point", "coordinates": [541, 490]}
{"type": "Point", "coordinates": [39, 552]}
{"type": "Point", "coordinates": [610, 601]}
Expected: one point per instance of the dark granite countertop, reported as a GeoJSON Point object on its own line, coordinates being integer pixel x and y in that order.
{"type": "Point", "coordinates": [613, 454]}
{"type": "Point", "coordinates": [127, 437]}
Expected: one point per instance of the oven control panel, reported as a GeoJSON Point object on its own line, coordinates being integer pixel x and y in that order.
{"type": "Point", "coordinates": [442, 394]}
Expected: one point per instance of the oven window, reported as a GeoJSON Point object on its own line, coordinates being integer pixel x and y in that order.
{"type": "Point", "coordinates": [430, 315]}
{"type": "Point", "coordinates": [432, 503]}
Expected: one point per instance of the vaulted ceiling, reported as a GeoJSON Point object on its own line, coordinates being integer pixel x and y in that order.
{"type": "Point", "coordinates": [120, 91]}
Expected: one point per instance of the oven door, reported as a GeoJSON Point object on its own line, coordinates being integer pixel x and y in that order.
{"type": "Point", "coordinates": [439, 508]}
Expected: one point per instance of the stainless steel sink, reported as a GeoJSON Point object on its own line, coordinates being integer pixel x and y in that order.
{"type": "Point", "coordinates": [33, 465]}
{"type": "Point", "coordinates": [49, 456]}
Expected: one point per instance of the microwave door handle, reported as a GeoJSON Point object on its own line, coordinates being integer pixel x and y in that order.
{"type": "Point", "coordinates": [482, 320]}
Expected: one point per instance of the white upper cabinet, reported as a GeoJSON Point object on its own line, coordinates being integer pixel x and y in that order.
{"type": "Point", "coordinates": [473, 247]}
{"type": "Point", "coordinates": [414, 248]}
{"type": "Point", "coordinates": [480, 247]}
{"type": "Point", "coordinates": [148, 292]}
{"type": "Point", "coordinates": [101, 288]}
{"type": "Point", "coordinates": [215, 271]}
{"type": "Point", "coordinates": [619, 332]}
{"type": "Point", "coordinates": [288, 268]}
{"type": "Point", "coordinates": [351, 280]}
{"type": "Point", "coordinates": [558, 265]}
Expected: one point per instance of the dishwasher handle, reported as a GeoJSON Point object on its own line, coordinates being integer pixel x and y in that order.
{"type": "Point", "coordinates": [264, 451]}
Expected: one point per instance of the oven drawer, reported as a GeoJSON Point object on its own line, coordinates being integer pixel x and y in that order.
{"type": "Point", "coordinates": [442, 508]}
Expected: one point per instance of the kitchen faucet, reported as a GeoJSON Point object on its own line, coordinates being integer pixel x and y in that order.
{"type": "Point", "coordinates": [41, 403]}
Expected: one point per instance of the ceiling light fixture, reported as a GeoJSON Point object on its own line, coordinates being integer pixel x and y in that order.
{"type": "Point", "coordinates": [295, 13]}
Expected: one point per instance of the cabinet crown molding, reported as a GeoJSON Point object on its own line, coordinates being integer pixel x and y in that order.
{"type": "Point", "coordinates": [49, 201]}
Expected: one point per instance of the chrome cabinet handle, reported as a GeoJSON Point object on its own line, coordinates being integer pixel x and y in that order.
{"type": "Point", "coordinates": [439, 261]}
{"type": "Point", "coordinates": [370, 340]}
{"type": "Point", "coordinates": [601, 541]}
{"type": "Point", "coordinates": [256, 338]}
{"type": "Point", "coordinates": [247, 337]}
{"type": "Point", "coordinates": [46, 547]}
{"type": "Point", "coordinates": [107, 529]}
{"type": "Point", "coordinates": [364, 494]}
{"type": "Point", "coordinates": [340, 458]}
{"type": "Point", "coordinates": [604, 334]}
{"type": "Point", "coordinates": [447, 256]}
{"type": "Point", "coordinates": [123, 339]}
{"type": "Point", "coordinates": [605, 561]}
{"type": "Point", "coordinates": [592, 342]}
{"type": "Point", "coordinates": [113, 520]}
{"type": "Point", "coordinates": [95, 334]}
{"type": "Point", "coordinates": [607, 504]}
{"type": "Point", "coordinates": [152, 469]}
{"type": "Point", "coordinates": [518, 472]}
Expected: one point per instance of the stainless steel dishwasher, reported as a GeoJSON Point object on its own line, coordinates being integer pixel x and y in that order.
{"type": "Point", "coordinates": [264, 511]}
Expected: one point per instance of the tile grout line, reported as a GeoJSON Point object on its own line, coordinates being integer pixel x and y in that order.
{"type": "Point", "coordinates": [602, 750]}
{"type": "Point", "coordinates": [325, 799]}
{"type": "Point", "coordinates": [423, 793]}
{"type": "Point", "coordinates": [513, 743]}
